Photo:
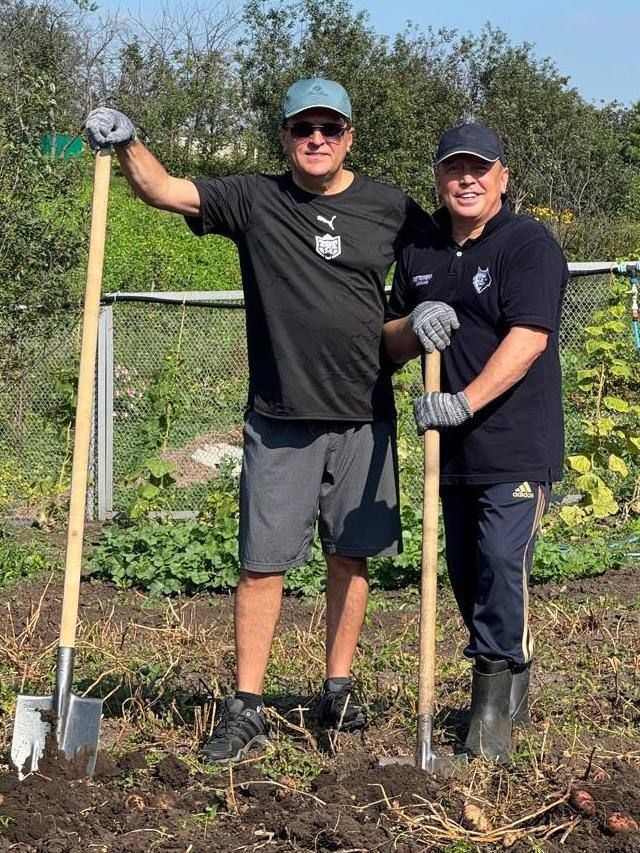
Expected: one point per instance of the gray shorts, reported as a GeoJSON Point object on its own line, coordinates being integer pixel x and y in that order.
{"type": "Point", "coordinates": [344, 475]}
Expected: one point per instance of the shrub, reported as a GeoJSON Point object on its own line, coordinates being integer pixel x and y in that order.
{"type": "Point", "coordinates": [166, 558]}
{"type": "Point", "coordinates": [21, 559]}
{"type": "Point", "coordinates": [554, 561]}
{"type": "Point", "coordinates": [151, 249]}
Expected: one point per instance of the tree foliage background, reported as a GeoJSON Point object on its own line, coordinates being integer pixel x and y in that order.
{"type": "Point", "coordinates": [204, 86]}
{"type": "Point", "coordinates": [39, 247]}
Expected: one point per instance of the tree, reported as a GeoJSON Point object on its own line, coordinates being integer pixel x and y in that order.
{"type": "Point", "coordinates": [564, 154]}
{"type": "Point", "coordinates": [400, 97]}
{"type": "Point", "coordinates": [632, 147]}
{"type": "Point", "coordinates": [175, 79]}
{"type": "Point", "coordinates": [40, 245]}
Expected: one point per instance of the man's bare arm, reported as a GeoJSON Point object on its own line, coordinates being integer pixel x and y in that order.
{"type": "Point", "coordinates": [151, 182]}
{"type": "Point", "coordinates": [508, 365]}
{"type": "Point", "coordinates": [401, 342]}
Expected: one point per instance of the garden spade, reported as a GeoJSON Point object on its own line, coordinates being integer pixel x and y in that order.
{"type": "Point", "coordinates": [425, 758]}
{"type": "Point", "coordinates": [75, 719]}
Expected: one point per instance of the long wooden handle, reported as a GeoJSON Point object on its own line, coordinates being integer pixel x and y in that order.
{"type": "Point", "coordinates": [429, 577]}
{"type": "Point", "coordinates": [79, 471]}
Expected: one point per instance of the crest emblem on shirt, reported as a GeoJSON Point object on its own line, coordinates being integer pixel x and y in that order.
{"type": "Point", "coordinates": [328, 246]}
{"type": "Point", "coordinates": [482, 279]}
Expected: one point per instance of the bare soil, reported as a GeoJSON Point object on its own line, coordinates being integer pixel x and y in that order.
{"type": "Point", "coordinates": [160, 666]}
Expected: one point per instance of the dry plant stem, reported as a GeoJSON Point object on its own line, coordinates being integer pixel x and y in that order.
{"type": "Point", "coordinates": [587, 772]}
{"type": "Point", "coordinates": [311, 740]}
{"type": "Point", "coordinates": [274, 784]}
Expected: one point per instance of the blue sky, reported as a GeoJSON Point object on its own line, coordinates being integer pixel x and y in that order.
{"type": "Point", "coordinates": [592, 42]}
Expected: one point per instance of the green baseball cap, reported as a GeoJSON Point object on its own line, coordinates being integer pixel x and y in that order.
{"type": "Point", "coordinates": [316, 93]}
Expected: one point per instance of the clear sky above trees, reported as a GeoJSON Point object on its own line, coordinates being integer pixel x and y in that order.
{"type": "Point", "coordinates": [590, 41]}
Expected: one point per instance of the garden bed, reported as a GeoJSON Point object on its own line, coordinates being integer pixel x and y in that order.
{"type": "Point", "coordinates": [160, 665]}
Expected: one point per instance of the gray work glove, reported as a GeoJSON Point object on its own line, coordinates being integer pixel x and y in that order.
{"type": "Point", "coordinates": [105, 127]}
{"type": "Point", "coordinates": [432, 323]}
{"type": "Point", "coordinates": [437, 409]}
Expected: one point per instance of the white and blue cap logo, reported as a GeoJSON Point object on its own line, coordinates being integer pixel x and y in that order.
{"type": "Point", "coordinates": [316, 93]}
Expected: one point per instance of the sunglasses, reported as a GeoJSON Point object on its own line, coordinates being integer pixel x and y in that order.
{"type": "Point", "coordinates": [331, 131]}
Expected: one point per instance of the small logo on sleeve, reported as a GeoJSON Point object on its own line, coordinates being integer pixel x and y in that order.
{"type": "Point", "coordinates": [421, 280]}
{"type": "Point", "coordinates": [524, 490]}
{"type": "Point", "coordinates": [482, 279]}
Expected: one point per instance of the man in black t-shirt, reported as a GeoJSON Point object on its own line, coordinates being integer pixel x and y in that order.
{"type": "Point", "coordinates": [315, 245]}
{"type": "Point", "coordinates": [500, 408]}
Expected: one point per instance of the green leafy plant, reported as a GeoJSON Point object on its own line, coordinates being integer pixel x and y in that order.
{"type": "Point", "coordinates": [607, 388]}
{"type": "Point", "coordinates": [153, 481]}
{"type": "Point", "coordinates": [166, 400]}
{"type": "Point", "coordinates": [21, 559]}
{"type": "Point", "coordinates": [47, 492]}
{"type": "Point", "coordinates": [183, 557]}
{"type": "Point", "coordinates": [150, 248]}
{"type": "Point", "coordinates": [554, 561]}
{"type": "Point", "coordinates": [284, 760]}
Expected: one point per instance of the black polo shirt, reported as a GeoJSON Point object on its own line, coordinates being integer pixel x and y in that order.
{"type": "Point", "coordinates": [513, 274]}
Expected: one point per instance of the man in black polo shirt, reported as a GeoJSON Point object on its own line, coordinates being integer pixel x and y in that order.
{"type": "Point", "coordinates": [500, 408]}
{"type": "Point", "coordinates": [315, 245]}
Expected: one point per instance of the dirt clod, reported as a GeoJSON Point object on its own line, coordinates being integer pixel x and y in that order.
{"type": "Point", "coordinates": [163, 800]}
{"type": "Point", "coordinates": [172, 772]}
{"type": "Point", "coordinates": [135, 801]}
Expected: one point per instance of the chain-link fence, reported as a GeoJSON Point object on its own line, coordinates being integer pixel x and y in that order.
{"type": "Point", "coordinates": [172, 381]}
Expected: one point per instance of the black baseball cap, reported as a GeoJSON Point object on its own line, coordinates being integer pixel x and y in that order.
{"type": "Point", "coordinates": [476, 139]}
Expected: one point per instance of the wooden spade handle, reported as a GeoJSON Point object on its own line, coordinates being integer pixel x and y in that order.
{"type": "Point", "coordinates": [84, 408]}
{"type": "Point", "coordinates": [429, 576]}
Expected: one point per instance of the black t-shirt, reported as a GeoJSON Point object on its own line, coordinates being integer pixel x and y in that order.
{"type": "Point", "coordinates": [313, 271]}
{"type": "Point", "coordinates": [513, 274]}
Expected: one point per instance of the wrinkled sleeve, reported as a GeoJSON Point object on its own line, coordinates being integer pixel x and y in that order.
{"type": "Point", "coordinates": [416, 221]}
{"type": "Point", "coordinates": [532, 290]}
{"type": "Point", "coordinates": [225, 206]}
{"type": "Point", "coordinates": [402, 298]}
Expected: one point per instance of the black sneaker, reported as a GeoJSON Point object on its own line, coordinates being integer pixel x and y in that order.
{"type": "Point", "coordinates": [341, 709]}
{"type": "Point", "coordinates": [239, 730]}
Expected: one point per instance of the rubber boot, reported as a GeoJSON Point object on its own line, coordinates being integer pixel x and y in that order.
{"type": "Point", "coordinates": [519, 702]}
{"type": "Point", "coordinates": [490, 728]}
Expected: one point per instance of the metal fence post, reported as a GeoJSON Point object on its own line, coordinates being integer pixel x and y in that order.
{"type": "Point", "coordinates": [90, 500]}
{"type": "Point", "coordinates": [104, 415]}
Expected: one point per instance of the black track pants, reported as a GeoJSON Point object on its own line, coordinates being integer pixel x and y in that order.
{"type": "Point", "coordinates": [490, 537]}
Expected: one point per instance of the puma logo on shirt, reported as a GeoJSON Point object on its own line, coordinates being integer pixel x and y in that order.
{"type": "Point", "coordinates": [328, 222]}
